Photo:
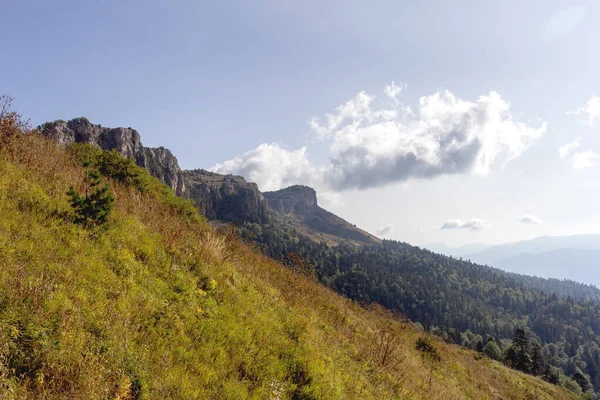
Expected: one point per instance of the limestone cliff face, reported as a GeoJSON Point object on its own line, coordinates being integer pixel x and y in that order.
{"type": "Point", "coordinates": [224, 197]}
{"type": "Point", "coordinates": [160, 162]}
{"type": "Point", "coordinates": [227, 197]}
{"type": "Point", "coordinates": [296, 199]}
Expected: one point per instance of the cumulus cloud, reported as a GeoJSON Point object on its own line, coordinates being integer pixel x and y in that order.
{"type": "Point", "coordinates": [529, 219]}
{"type": "Point", "coordinates": [373, 146]}
{"type": "Point", "coordinates": [567, 149]}
{"type": "Point", "coordinates": [592, 109]}
{"type": "Point", "coordinates": [584, 159]}
{"type": "Point", "coordinates": [578, 160]}
{"type": "Point", "coordinates": [270, 166]}
{"type": "Point", "coordinates": [384, 230]}
{"type": "Point", "coordinates": [471, 224]}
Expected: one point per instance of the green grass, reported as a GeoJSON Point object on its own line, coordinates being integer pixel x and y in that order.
{"type": "Point", "coordinates": [156, 304]}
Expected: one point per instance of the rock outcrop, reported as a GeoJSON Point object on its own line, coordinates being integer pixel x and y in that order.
{"type": "Point", "coordinates": [224, 197]}
{"type": "Point", "coordinates": [160, 162]}
{"type": "Point", "coordinates": [299, 205]}
{"type": "Point", "coordinates": [227, 197]}
{"type": "Point", "coordinates": [296, 199]}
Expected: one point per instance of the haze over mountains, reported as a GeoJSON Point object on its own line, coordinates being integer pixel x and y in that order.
{"type": "Point", "coordinates": [574, 257]}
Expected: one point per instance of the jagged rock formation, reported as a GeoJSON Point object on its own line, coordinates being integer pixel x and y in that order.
{"type": "Point", "coordinates": [227, 197]}
{"type": "Point", "coordinates": [224, 197]}
{"type": "Point", "coordinates": [160, 162]}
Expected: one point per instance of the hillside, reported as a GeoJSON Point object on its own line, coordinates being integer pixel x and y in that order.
{"type": "Point", "coordinates": [462, 302]}
{"type": "Point", "coordinates": [157, 304]}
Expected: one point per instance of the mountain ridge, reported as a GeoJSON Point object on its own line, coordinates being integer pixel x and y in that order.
{"type": "Point", "coordinates": [538, 244]}
{"type": "Point", "coordinates": [226, 198]}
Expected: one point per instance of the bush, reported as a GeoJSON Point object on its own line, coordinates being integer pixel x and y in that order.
{"type": "Point", "coordinates": [112, 164]}
{"type": "Point", "coordinates": [492, 350]}
{"type": "Point", "coordinates": [427, 348]}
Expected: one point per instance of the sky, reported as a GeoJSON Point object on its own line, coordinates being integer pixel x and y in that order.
{"type": "Point", "coordinates": [434, 121]}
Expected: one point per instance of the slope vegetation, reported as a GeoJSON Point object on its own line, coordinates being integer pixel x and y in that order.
{"type": "Point", "coordinates": [156, 304]}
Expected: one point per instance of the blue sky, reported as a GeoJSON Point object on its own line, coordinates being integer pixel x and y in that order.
{"type": "Point", "coordinates": [215, 80]}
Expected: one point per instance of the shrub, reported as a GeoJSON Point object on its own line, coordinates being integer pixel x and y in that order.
{"type": "Point", "coordinates": [492, 350]}
{"type": "Point", "coordinates": [427, 348]}
{"type": "Point", "coordinates": [112, 164]}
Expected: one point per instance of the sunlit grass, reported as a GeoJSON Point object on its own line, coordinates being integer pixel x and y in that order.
{"type": "Point", "coordinates": [156, 304]}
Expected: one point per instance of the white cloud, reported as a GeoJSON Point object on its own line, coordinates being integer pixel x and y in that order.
{"type": "Point", "coordinates": [562, 23]}
{"type": "Point", "coordinates": [584, 159]}
{"type": "Point", "coordinates": [270, 166]}
{"type": "Point", "coordinates": [384, 230]}
{"type": "Point", "coordinates": [566, 149]}
{"type": "Point", "coordinates": [374, 146]}
{"type": "Point", "coordinates": [530, 219]}
{"type": "Point", "coordinates": [591, 108]}
{"type": "Point", "coordinates": [393, 91]}
{"type": "Point", "coordinates": [580, 160]}
{"type": "Point", "coordinates": [471, 224]}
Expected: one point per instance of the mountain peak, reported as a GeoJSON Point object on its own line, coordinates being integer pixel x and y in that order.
{"type": "Point", "coordinates": [297, 199]}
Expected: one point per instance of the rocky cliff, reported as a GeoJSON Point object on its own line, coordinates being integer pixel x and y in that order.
{"type": "Point", "coordinates": [224, 197]}
{"type": "Point", "coordinates": [160, 162]}
{"type": "Point", "coordinates": [227, 197]}
{"type": "Point", "coordinates": [299, 205]}
{"type": "Point", "coordinates": [296, 199]}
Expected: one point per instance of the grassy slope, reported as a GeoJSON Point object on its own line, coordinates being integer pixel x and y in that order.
{"type": "Point", "coordinates": [160, 307]}
{"type": "Point", "coordinates": [324, 226]}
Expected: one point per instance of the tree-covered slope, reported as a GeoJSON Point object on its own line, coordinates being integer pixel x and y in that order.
{"type": "Point", "coordinates": [155, 304]}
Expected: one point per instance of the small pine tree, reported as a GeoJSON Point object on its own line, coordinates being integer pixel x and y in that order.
{"type": "Point", "coordinates": [95, 205]}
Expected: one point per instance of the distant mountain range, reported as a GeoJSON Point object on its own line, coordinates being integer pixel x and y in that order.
{"type": "Point", "coordinates": [574, 257]}
{"type": "Point", "coordinates": [580, 265]}
{"type": "Point", "coordinates": [456, 251]}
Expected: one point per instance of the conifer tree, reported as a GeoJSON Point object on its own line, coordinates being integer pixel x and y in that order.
{"type": "Point", "coordinates": [94, 206]}
{"type": "Point", "coordinates": [523, 358]}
